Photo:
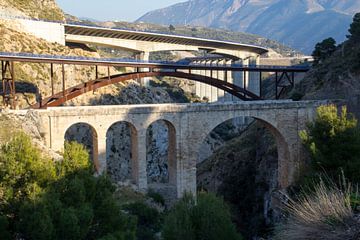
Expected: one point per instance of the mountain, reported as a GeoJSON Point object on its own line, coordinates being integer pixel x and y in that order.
{"type": "Point", "coordinates": [298, 23]}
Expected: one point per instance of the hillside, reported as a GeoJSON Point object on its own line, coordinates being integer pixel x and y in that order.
{"type": "Point", "coordinates": [39, 9]}
{"type": "Point", "coordinates": [297, 23]}
{"type": "Point", "coordinates": [337, 77]}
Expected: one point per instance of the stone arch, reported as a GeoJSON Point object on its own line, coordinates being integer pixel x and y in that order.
{"type": "Point", "coordinates": [79, 132]}
{"type": "Point", "coordinates": [122, 159]}
{"type": "Point", "coordinates": [171, 150]}
{"type": "Point", "coordinates": [284, 158]}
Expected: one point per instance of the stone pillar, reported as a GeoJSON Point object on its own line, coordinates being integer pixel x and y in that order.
{"type": "Point", "coordinates": [141, 177]}
{"type": "Point", "coordinates": [143, 56]}
{"type": "Point", "coordinates": [99, 146]}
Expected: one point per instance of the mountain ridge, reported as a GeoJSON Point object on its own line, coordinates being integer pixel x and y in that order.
{"type": "Point", "coordinates": [275, 19]}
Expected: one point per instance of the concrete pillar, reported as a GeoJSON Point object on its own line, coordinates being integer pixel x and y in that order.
{"type": "Point", "coordinates": [254, 77]}
{"type": "Point", "coordinates": [214, 90]}
{"type": "Point", "coordinates": [99, 149]}
{"type": "Point", "coordinates": [238, 77]}
{"type": "Point", "coordinates": [143, 56]}
{"type": "Point", "coordinates": [229, 79]}
{"type": "Point", "coordinates": [207, 86]}
{"type": "Point", "coordinates": [221, 76]}
{"type": "Point", "coordinates": [203, 85]}
{"type": "Point", "coordinates": [197, 84]}
{"type": "Point", "coordinates": [141, 180]}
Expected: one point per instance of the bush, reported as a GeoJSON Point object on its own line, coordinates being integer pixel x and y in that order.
{"type": "Point", "coordinates": [156, 197]}
{"type": "Point", "coordinates": [333, 141]}
{"type": "Point", "coordinates": [324, 214]}
{"type": "Point", "coordinates": [48, 200]}
{"type": "Point", "coordinates": [208, 219]}
{"type": "Point", "coordinates": [148, 220]}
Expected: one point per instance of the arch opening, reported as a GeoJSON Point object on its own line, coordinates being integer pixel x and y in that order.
{"type": "Point", "coordinates": [247, 165]}
{"type": "Point", "coordinates": [121, 153]}
{"type": "Point", "coordinates": [161, 157]}
{"type": "Point", "coordinates": [86, 135]}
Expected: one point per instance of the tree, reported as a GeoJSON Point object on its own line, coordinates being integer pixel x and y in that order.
{"type": "Point", "coordinates": [44, 199]}
{"type": "Point", "coordinates": [355, 28]}
{"type": "Point", "coordinates": [323, 50]}
{"type": "Point", "coordinates": [171, 28]}
{"type": "Point", "coordinates": [148, 220]}
{"type": "Point", "coordinates": [208, 219]}
{"type": "Point", "coordinates": [333, 141]}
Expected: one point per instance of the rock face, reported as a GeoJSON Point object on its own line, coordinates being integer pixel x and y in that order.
{"type": "Point", "coordinates": [298, 23]}
{"type": "Point", "coordinates": [244, 172]}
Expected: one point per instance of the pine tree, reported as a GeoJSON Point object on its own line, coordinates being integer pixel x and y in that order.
{"type": "Point", "coordinates": [355, 28]}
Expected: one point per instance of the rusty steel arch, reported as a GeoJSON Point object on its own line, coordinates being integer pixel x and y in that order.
{"type": "Point", "coordinates": [72, 92]}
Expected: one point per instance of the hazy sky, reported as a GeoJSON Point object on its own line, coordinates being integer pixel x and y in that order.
{"type": "Point", "coordinates": [126, 10]}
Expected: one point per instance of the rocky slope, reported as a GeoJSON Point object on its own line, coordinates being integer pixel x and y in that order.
{"type": "Point", "coordinates": [337, 77]}
{"type": "Point", "coordinates": [244, 172]}
{"type": "Point", "coordinates": [297, 23]}
{"type": "Point", "coordinates": [39, 9]}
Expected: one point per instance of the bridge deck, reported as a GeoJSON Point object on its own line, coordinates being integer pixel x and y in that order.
{"type": "Point", "coordinates": [38, 58]}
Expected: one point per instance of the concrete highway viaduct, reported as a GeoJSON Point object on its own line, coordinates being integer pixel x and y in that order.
{"type": "Point", "coordinates": [188, 126]}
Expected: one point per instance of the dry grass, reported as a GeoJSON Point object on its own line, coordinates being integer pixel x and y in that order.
{"type": "Point", "coordinates": [325, 214]}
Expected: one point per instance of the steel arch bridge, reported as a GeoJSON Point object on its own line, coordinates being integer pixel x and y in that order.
{"type": "Point", "coordinates": [73, 92]}
{"type": "Point", "coordinates": [143, 69]}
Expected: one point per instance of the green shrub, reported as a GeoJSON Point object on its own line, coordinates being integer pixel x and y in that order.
{"type": "Point", "coordinates": [4, 225]}
{"type": "Point", "coordinates": [208, 219]}
{"type": "Point", "coordinates": [157, 197]}
{"type": "Point", "coordinates": [76, 157]}
{"type": "Point", "coordinates": [149, 220]}
{"type": "Point", "coordinates": [333, 141]}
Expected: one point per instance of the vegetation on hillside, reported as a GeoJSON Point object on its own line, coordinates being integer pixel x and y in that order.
{"type": "Point", "coordinates": [43, 199]}
{"type": "Point", "coordinates": [324, 50]}
{"type": "Point", "coordinates": [327, 207]}
{"type": "Point", "coordinates": [325, 213]}
{"type": "Point", "coordinates": [206, 218]}
{"type": "Point", "coordinates": [333, 141]}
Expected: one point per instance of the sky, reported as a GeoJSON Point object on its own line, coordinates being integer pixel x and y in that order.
{"type": "Point", "coordinates": [122, 10]}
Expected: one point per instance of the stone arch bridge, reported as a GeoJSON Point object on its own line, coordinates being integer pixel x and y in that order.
{"type": "Point", "coordinates": [189, 124]}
